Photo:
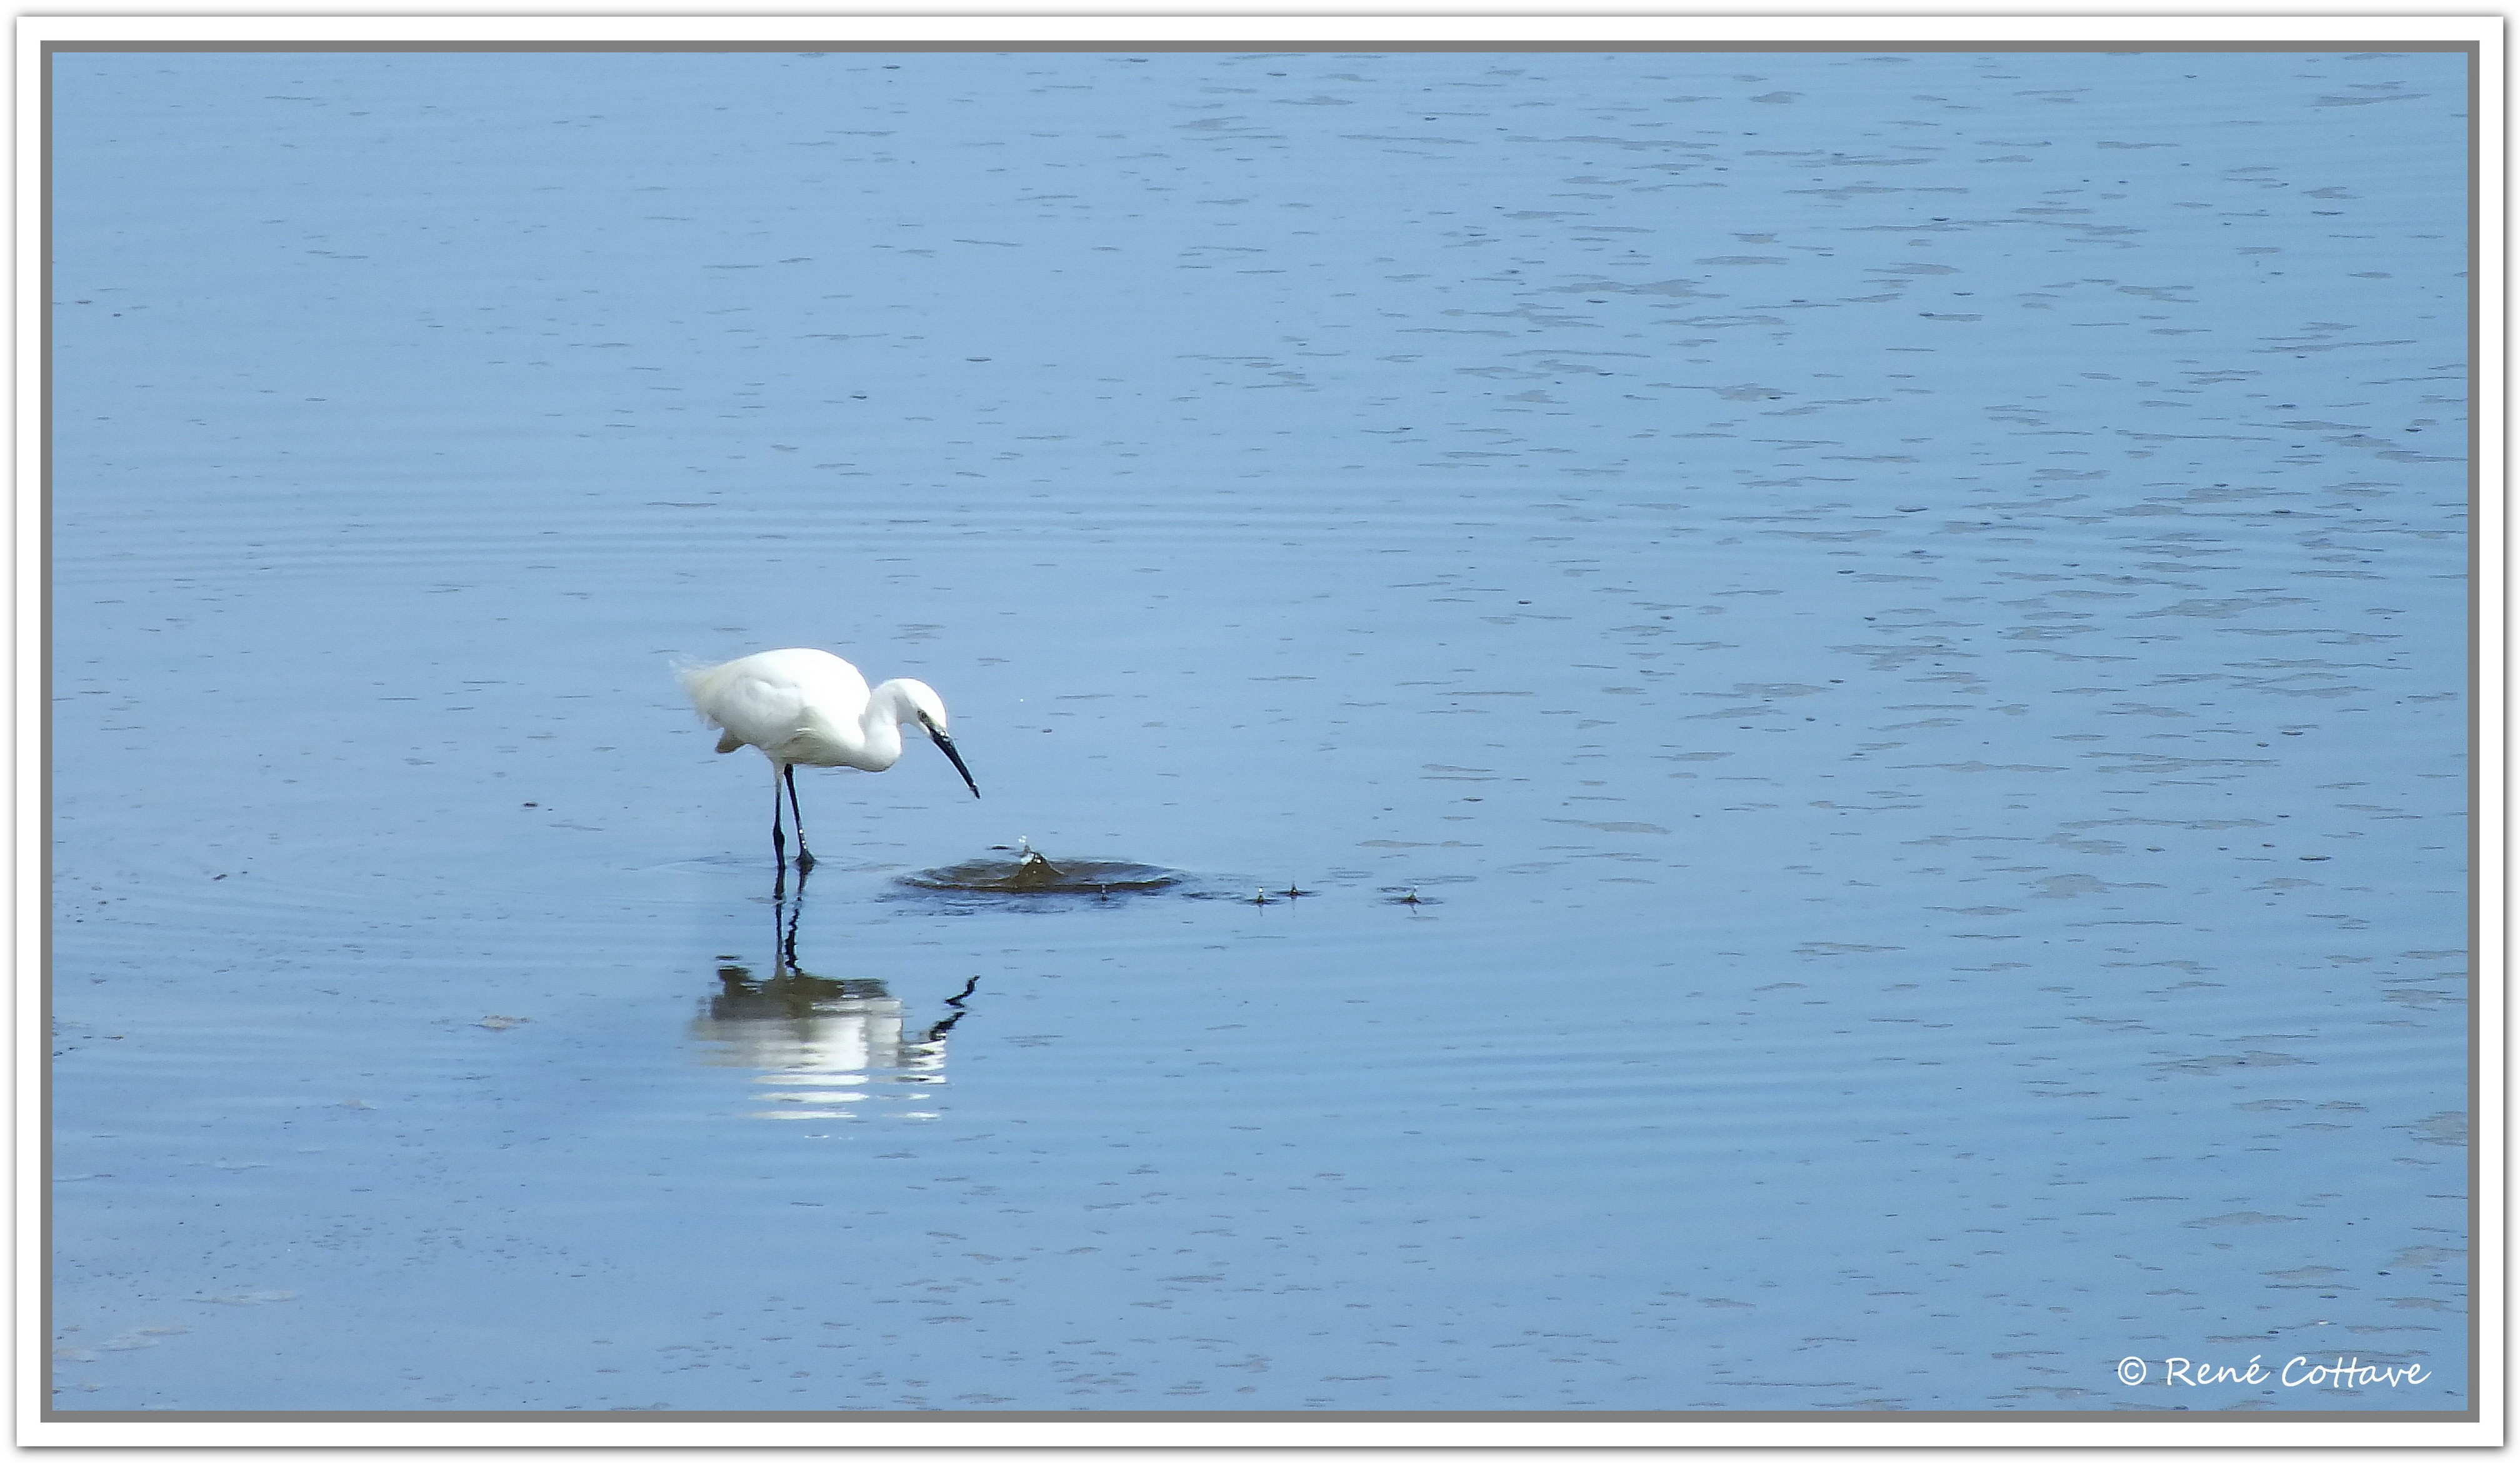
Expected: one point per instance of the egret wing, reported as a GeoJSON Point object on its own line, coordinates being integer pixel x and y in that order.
{"type": "Point", "coordinates": [781, 701]}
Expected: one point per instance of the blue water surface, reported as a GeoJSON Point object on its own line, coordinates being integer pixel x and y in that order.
{"type": "Point", "coordinates": [1862, 659]}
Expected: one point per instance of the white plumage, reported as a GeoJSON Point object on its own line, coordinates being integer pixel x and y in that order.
{"type": "Point", "coordinates": [810, 708]}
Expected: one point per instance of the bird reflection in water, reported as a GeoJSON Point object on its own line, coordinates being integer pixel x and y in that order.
{"type": "Point", "coordinates": [820, 1044]}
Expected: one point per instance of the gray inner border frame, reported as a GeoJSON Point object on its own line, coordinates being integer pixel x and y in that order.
{"type": "Point", "coordinates": [2471, 49]}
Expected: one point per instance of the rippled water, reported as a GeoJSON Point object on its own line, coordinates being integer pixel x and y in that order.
{"type": "Point", "coordinates": [1858, 662]}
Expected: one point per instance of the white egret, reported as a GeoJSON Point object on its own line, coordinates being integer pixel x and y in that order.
{"type": "Point", "coordinates": [812, 708]}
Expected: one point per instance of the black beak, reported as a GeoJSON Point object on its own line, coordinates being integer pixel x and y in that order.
{"type": "Point", "coordinates": [945, 744]}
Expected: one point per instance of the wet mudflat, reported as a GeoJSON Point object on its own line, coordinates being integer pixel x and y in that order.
{"type": "Point", "coordinates": [1858, 664]}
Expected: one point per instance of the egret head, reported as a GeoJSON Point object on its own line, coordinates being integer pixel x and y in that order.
{"type": "Point", "coordinates": [930, 709]}
{"type": "Point", "coordinates": [925, 703]}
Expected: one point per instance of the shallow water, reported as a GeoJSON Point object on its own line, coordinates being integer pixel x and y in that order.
{"type": "Point", "coordinates": [1861, 658]}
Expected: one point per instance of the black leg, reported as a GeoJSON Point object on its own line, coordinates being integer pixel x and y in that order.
{"type": "Point", "coordinates": [778, 839]}
{"type": "Point", "coordinates": [804, 856]}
